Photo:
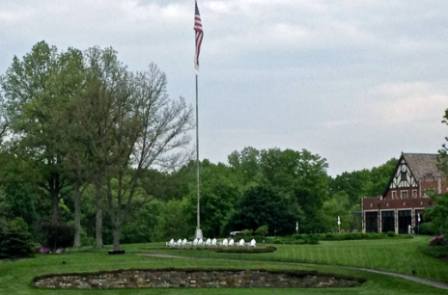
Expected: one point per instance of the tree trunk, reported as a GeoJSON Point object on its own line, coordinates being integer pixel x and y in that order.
{"type": "Point", "coordinates": [54, 207]}
{"type": "Point", "coordinates": [99, 215]}
{"type": "Point", "coordinates": [116, 233]}
{"type": "Point", "coordinates": [77, 203]}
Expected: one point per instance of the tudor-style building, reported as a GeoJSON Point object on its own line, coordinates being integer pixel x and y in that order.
{"type": "Point", "coordinates": [406, 195]}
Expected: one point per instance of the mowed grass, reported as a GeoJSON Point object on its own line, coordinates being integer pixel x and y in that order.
{"type": "Point", "coordinates": [16, 276]}
{"type": "Point", "coordinates": [394, 255]}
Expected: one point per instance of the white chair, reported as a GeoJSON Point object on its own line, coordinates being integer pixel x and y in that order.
{"type": "Point", "coordinates": [184, 242]}
{"type": "Point", "coordinates": [214, 242]}
{"type": "Point", "coordinates": [208, 242]}
{"type": "Point", "coordinates": [231, 243]}
{"type": "Point", "coordinates": [179, 243]}
{"type": "Point", "coordinates": [172, 243]}
{"type": "Point", "coordinates": [225, 243]}
{"type": "Point", "coordinates": [195, 242]}
{"type": "Point", "coordinates": [242, 243]}
{"type": "Point", "coordinates": [200, 242]}
{"type": "Point", "coordinates": [253, 243]}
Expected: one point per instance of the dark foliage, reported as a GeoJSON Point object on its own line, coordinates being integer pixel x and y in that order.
{"type": "Point", "coordinates": [439, 213]}
{"type": "Point", "coordinates": [260, 205]}
{"type": "Point", "coordinates": [267, 249]}
{"type": "Point", "coordinates": [438, 241]}
{"type": "Point", "coordinates": [310, 239]}
{"type": "Point", "coordinates": [58, 235]}
{"type": "Point", "coordinates": [427, 228]}
{"type": "Point", "coordinates": [15, 239]}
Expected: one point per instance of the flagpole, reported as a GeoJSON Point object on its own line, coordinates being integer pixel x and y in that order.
{"type": "Point", "coordinates": [198, 180]}
{"type": "Point", "coordinates": [198, 40]}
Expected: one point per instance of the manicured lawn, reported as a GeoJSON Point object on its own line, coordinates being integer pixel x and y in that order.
{"type": "Point", "coordinates": [16, 276]}
{"type": "Point", "coordinates": [396, 255]}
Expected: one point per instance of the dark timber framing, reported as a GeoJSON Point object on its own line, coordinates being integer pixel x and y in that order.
{"type": "Point", "coordinates": [406, 195]}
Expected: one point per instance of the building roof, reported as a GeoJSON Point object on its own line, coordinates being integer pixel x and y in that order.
{"type": "Point", "coordinates": [423, 165]}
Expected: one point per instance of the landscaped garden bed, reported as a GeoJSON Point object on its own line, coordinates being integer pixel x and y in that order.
{"type": "Point", "coordinates": [194, 278]}
{"type": "Point", "coordinates": [268, 249]}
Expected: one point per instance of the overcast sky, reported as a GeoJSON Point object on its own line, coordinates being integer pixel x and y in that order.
{"type": "Point", "coordinates": [357, 81]}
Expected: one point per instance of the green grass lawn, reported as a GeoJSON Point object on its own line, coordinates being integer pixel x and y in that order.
{"type": "Point", "coordinates": [393, 255]}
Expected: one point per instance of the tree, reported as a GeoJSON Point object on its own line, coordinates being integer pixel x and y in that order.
{"type": "Point", "coordinates": [148, 129]}
{"type": "Point", "coordinates": [219, 195]}
{"type": "Point", "coordinates": [20, 195]}
{"type": "Point", "coordinates": [337, 205]}
{"type": "Point", "coordinates": [439, 213]}
{"type": "Point", "coordinates": [95, 117]}
{"type": "Point", "coordinates": [36, 90]}
{"type": "Point", "coordinates": [261, 205]}
{"type": "Point", "coordinates": [3, 119]}
{"type": "Point", "coordinates": [443, 152]}
{"type": "Point", "coordinates": [246, 164]}
{"type": "Point", "coordinates": [301, 175]}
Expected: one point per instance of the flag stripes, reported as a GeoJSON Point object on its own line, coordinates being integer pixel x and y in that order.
{"type": "Point", "coordinates": [199, 35]}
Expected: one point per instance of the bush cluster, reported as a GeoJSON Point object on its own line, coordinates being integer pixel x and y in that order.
{"type": "Point", "coordinates": [58, 236]}
{"type": "Point", "coordinates": [427, 228]}
{"type": "Point", "coordinates": [298, 239]}
{"type": "Point", "coordinates": [438, 241]}
{"type": "Point", "coordinates": [311, 239]}
{"type": "Point", "coordinates": [267, 249]}
{"type": "Point", "coordinates": [15, 239]}
{"type": "Point", "coordinates": [257, 234]}
{"type": "Point", "coordinates": [359, 236]}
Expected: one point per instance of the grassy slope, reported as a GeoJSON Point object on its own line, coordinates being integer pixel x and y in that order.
{"type": "Point", "coordinates": [396, 255]}
{"type": "Point", "coordinates": [15, 277]}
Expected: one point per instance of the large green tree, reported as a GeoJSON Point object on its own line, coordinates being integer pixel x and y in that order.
{"type": "Point", "coordinates": [261, 205]}
{"type": "Point", "coordinates": [36, 90]}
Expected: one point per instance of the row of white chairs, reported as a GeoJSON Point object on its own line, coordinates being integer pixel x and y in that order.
{"type": "Point", "coordinates": [210, 243]}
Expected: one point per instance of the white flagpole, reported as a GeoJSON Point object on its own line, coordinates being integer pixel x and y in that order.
{"type": "Point", "coordinates": [198, 38]}
{"type": "Point", "coordinates": [198, 234]}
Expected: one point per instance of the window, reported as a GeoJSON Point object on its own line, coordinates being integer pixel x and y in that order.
{"type": "Point", "coordinates": [404, 176]}
{"type": "Point", "coordinates": [394, 195]}
{"type": "Point", "coordinates": [404, 195]}
{"type": "Point", "coordinates": [414, 194]}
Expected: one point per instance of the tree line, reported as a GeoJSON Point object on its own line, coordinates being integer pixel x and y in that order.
{"type": "Point", "coordinates": [88, 145]}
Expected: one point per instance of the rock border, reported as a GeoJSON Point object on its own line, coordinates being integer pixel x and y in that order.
{"type": "Point", "coordinates": [195, 278]}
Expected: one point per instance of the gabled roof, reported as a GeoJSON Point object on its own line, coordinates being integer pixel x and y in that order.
{"type": "Point", "coordinates": [423, 165]}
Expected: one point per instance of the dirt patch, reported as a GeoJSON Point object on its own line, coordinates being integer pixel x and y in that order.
{"type": "Point", "coordinates": [194, 278]}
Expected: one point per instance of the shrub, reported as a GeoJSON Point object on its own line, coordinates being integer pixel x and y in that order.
{"type": "Point", "coordinates": [58, 235]}
{"type": "Point", "coordinates": [262, 231]}
{"type": "Point", "coordinates": [438, 241]}
{"type": "Point", "coordinates": [267, 249]}
{"type": "Point", "coordinates": [312, 239]}
{"type": "Point", "coordinates": [440, 252]}
{"type": "Point", "coordinates": [390, 234]}
{"type": "Point", "coordinates": [15, 239]}
{"type": "Point", "coordinates": [427, 228]}
{"type": "Point", "coordinates": [245, 234]}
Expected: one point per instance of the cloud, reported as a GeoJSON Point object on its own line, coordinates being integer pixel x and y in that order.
{"type": "Point", "coordinates": [411, 102]}
{"type": "Point", "coordinates": [349, 79]}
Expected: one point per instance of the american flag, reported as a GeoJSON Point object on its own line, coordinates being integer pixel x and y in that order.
{"type": "Point", "coordinates": [199, 35]}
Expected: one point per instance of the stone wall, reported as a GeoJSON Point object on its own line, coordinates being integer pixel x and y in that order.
{"type": "Point", "coordinates": [194, 278]}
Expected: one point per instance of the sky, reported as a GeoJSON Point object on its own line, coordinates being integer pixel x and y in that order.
{"type": "Point", "coordinates": [356, 81]}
